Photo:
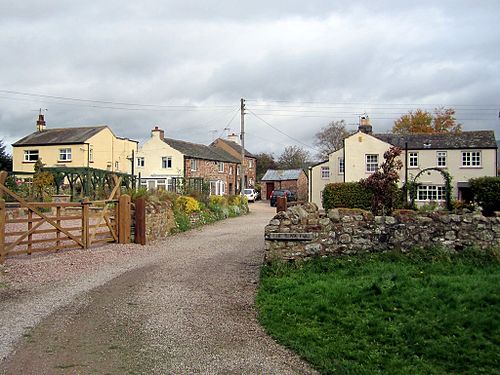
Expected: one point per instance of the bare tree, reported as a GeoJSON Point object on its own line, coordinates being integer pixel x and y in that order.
{"type": "Point", "coordinates": [330, 138]}
{"type": "Point", "coordinates": [294, 157]}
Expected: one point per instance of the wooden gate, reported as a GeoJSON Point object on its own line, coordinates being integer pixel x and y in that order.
{"type": "Point", "coordinates": [44, 227]}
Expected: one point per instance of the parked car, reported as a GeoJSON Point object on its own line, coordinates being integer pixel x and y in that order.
{"type": "Point", "coordinates": [251, 194]}
{"type": "Point", "coordinates": [290, 196]}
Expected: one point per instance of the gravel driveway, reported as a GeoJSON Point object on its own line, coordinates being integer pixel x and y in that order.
{"type": "Point", "coordinates": [180, 306]}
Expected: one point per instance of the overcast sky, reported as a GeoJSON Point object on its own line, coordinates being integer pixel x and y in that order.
{"type": "Point", "coordinates": [184, 65]}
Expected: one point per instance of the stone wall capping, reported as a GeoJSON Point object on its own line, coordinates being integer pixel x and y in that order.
{"type": "Point", "coordinates": [349, 231]}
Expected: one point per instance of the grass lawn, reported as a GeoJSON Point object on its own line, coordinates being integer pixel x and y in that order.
{"type": "Point", "coordinates": [427, 313]}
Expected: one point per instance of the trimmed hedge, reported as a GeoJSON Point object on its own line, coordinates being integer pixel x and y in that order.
{"type": "Point", "coordinates": [347, 195]}
{"type": "Point", "coordinates": [486, 192]}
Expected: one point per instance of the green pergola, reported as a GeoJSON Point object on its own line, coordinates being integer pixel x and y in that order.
{"type": "Point", "coordinates": [89, 182]}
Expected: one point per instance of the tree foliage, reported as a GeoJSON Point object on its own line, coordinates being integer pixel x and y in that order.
{"type": "Point", "coordinates": [486, 192]}
{"type": "Point", "coordinates": [330, 138]}
{"type": "Point", "coordinates": [383, 183]}
{"type": "Point", "coordinates": [43, 181]}
{"type": "Point", "coordinates": [264, 162]}
{"type": "Point", "coordinates": [421, 121]}
{"type": "Point", "coordinates": [5, 158]}
{"type": "Point", "coordinates": [293, 157]}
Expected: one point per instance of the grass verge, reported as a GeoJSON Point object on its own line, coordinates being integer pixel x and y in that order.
{"type": "Point", "coordinates": [426, 313]}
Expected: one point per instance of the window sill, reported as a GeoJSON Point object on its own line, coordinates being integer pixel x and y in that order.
{"type": "Point", "coordinates": [430, 200]}
{"type": "Point", "coordinates": [30, 162]}
{"type": "Point", "coordinates": [64, 161]}
{"type": "Point", "coordinates": [471, 167]}
{"type": "Point", "coordinates": [412, 167]}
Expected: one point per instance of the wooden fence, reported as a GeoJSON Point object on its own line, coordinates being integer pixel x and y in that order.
{"type": "Point", "coordinates": [45, 227]}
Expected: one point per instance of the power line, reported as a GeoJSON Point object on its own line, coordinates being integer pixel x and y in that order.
{"type": "Point", "coordinates": [373, 103]}
{"type": "Point", "coordinates": [356, 115]}
{"type": "Point", "coordinates": [279, 131]}
{"type": "Point", "coordinates": [164, 106]}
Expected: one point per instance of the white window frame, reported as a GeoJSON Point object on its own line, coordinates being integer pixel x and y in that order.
{"type": "Point", "coordinates": [221, 167]}
{"type": "Point", "coordinates": [161, 184]}
{"type": "Point", "coordinates": [371, 166]}
{"type": "Point", "coordinates": [413, 159]}
{"type": "Point", "coordinates": [231, 171]}
{"type": "Point", "coordinates": [441, 159]}
{"type": "Point", "coordinates": [117, 165]}
{"type": "Point", "coordinates": [64, 154]}
{"type": "Point", "coordinates": [341, 165]}
{"type": "Point", "coordinates": [431, 193]}
{"type": "Point", "coordinates": [140, 161]}
{"type": "Point", "coordinates": [166, 162]}
{"type": "Point", "coordinates": [325, 173]}
{"type": "Point", "coordinates": [29, 156]}
{"type": "Point", "coordinates": [471, 159]}
{"type": "Point", "coordinates": [91, 154]}
{"type": "Point", "coordinates": [194, 165]}
{"type": "Point", "coordinates": [250, 163]}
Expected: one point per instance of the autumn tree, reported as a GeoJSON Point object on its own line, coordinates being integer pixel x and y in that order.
{"type": "Point", "coordinates": [294, 157]}
{"type": "Point", "coordinates": [264, 162]}
{"type": "Point", "coordinates": [421, 121]}
{"type": "Point", "coordinates": [330, 138]}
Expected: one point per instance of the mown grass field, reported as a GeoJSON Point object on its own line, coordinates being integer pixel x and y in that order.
{"type": "Point", "coordinates": [427, 313]}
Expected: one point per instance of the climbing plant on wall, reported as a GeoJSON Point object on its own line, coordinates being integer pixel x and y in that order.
{"type": "Point", "coordinates": [413, 185]}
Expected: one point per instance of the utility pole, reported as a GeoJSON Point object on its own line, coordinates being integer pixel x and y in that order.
{"type": "Point", "coordinates": [242, 137]}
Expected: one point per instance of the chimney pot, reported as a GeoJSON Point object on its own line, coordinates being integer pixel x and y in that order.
{"type": "Point", "coordinates": [161, 133]}
{"type": "Point", "coordinates": [365, 125]}
{"type": "Point", "coordinates": [40, 124]}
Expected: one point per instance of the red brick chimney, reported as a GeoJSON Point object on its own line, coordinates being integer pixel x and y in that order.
{"type": "Point", "coordinates": [157, 132]}
{"type": "Point", "coordinates": [40, 124]}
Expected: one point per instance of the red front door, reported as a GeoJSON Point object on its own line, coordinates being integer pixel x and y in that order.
{"type": "Point", "coordinates": [269, 189]}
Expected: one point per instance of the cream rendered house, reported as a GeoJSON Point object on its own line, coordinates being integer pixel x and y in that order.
{"type": "Point", "coordinates": [467, 155]}
{"type": "Point", "coordinates": [157, 163]}
{"type": "Point", "coordinates": [161, 161]}
{"type": "Point", "coordinates": [95, 147]}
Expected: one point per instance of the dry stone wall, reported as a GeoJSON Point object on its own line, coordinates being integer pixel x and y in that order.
{"type": "Point", "coordinates": [303, 232]}
{"type": "Point", "coordinates": [159, 220]}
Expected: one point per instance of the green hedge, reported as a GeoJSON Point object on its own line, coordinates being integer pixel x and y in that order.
{"type": "Point", "coordinates": [348, 195]}
{"type": "Point", "coordinates": [486, 192]}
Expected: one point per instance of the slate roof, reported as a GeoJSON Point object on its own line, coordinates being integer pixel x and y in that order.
{"type": "Point", "coordinates": [59, 136]}
{"type": "Point", "coordinates": [469, 139]}
{"type": "Point", "coordinates": [199, 151]}
{"type": "Point", "coordinates": [236, 147]}
{"type": "Point", "coordinates": [281, 174]}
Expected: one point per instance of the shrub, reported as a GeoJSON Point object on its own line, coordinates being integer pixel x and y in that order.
{"type": "Point", "coordinates": [383, 183]}
{"type": "Point", "coordinates": [188, 204]}
{"type": "Point", "coordinates": [182, 220]}
{"type": "Point", "coordinates": [140, 192]}
{"type": "Point", "coordinates": [348, 195]}
{"type": "Point", "coordinates": [218, 200]}
{"type": "Point", "coordinates": [486, 192]}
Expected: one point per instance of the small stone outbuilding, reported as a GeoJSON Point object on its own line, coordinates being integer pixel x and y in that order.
{"type": "Point", "coordinates": [294, 180]}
